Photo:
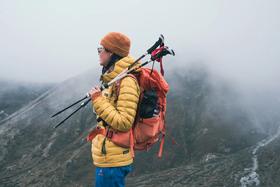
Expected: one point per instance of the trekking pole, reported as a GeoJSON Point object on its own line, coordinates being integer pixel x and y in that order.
{"type": "Point", "coordinates": [159, 42]}
{"type": "Point", "coordinates": [81, 106]}
{"type": "Point", "coordinates": [163, 52]}
{"type": "Point", "coordinates": [69, 106]}
{"type": "Point", "coordinates": [149, 51]}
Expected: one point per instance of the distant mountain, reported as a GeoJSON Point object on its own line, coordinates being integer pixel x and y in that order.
{"type": "Point", "coordinates": [15, 94]}
{"type": "Point", "coordinates": [212, 129]}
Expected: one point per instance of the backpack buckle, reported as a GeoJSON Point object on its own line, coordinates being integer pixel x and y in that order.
{"type": "Point", "coordinates": [110, 134]}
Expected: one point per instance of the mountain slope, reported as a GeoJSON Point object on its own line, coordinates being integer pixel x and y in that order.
{"type": "Point", "coordinates": [14, 95]}
{"type": "Point", "coordinates": [206, 121]}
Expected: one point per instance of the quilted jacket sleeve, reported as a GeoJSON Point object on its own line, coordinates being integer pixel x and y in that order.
{"type": "Point", "coordinates": [122, 116]}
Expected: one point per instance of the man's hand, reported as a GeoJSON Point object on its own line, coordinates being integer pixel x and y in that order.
{"type": "Point", "coordinates": [95, 92]}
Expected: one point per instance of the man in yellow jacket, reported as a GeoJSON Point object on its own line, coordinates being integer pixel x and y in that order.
{"type": "Point", "coordinates": [117, 111]}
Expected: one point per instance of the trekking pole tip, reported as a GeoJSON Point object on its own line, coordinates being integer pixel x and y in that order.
{"type": "Point", "coordinates": [57, 126]}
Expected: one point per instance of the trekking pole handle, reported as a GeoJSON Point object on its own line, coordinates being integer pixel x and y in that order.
{"type": "Point", "coordinates": [165, 51]}
{"type": "Point", "coordinates": [158, 43]}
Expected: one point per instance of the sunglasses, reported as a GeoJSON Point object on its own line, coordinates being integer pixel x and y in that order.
{"type": "Point", "coordinates": [101, 49]}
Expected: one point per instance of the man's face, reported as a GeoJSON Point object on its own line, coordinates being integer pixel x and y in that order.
{"type": "Point", "coordinates": [104, 56]}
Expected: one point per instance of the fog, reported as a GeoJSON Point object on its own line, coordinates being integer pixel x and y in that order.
{"type": "Point", "coordinates": [51, 41]}
{"type": "Point", "coordinates": [227, 52]}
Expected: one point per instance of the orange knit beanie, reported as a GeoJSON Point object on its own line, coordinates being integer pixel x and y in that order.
{"type": "Point", "coordinates": [117, 43]}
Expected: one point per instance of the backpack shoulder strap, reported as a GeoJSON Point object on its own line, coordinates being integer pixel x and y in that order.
{"type": "Point", "coordinates": [131, 137]}
{"type": "Point", "coordinates": [118, 83]}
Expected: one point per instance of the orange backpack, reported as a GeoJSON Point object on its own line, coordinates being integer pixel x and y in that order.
{"type": "Point", "coordinates": [149, 123]}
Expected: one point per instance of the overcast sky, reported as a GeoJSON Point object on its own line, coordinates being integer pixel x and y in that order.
{"type": "Point", "coordinates": [50, 41]}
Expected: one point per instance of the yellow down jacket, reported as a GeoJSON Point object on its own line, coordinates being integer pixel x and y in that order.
{"type": "Point", "coordinates": [119, 113]}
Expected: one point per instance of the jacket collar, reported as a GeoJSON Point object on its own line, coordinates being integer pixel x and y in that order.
{"type": "Point", "coordinates": [118, 67]}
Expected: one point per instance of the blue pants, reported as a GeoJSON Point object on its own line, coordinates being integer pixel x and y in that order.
{"type": "Point", "coordinates": [111, 176]}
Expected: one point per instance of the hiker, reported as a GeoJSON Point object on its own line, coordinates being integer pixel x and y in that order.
{"type": "Point", "coordinates": [117, 111]}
